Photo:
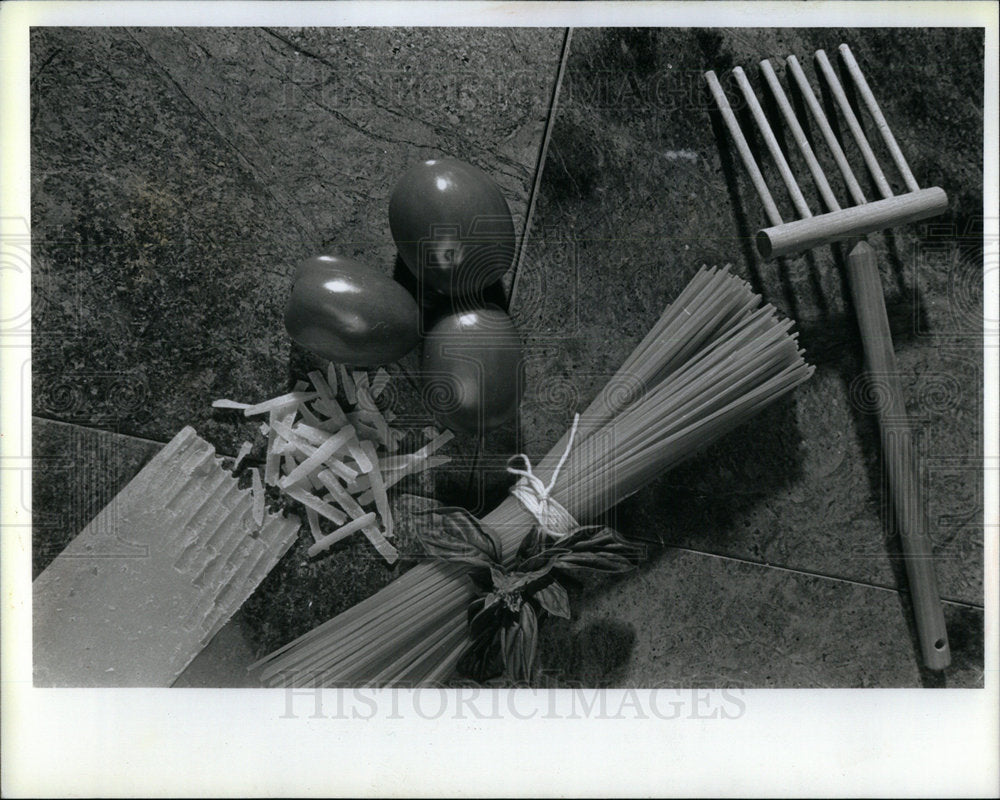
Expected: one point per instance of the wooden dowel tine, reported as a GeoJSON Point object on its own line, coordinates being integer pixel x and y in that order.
{"type": "Point", "coordinates": [852, 122]}
{"type": "Point", "coordinates": [799, 135]}
{"type": "Point", "coordinates": [772, 143]}
{"type": "Point", "coordinates": [857, 195]}
{"type": "Point", "coordinates": [743, 148]}
{"type": "Point", "coordinates": [804, 234]}
{"type": "Point", "coordinates": [873, 108]}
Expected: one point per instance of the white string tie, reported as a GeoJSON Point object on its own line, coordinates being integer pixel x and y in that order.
{"type": "Point", "coordinates": [553, 519]}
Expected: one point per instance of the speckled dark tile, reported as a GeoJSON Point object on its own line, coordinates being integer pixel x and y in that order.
{"type": "Point", "coordinates": [179, 174]}
{"type": "Point", "coordinates": [691, 620]}
{"type": "Point", "coordinates": [223, 663]}
{"type": "Point", "coordinates": [640, 188]}
{"type": "Point", "coordinates": [178, 177]}
{"type": "Point", "coordinates": [76, 472]}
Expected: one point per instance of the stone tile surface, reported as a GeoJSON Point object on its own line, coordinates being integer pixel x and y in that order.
{"type": "Point", "coordinates": [691, 620]}
{"type": "Point", "coordinates": [179, 175]}
{"type": "Point", "coordinates": [641, 187]}
{"type": "Point", "coordinates": [76, 472]}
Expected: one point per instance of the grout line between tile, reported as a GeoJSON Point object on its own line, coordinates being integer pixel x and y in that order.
{"type": "Point", "coordinates": [540, 165]}
{"type": "Point", "coordinates": [133, 437]}
{"type": "Point", "coordinates": [95, 428]}
{"type": "Point", "coordinates": [810, 574]}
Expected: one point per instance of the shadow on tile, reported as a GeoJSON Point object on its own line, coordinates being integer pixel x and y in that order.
{"type": "Point", "coordinates": [698, 503]}
{"type": "Point", "coordinates": [593, 657]}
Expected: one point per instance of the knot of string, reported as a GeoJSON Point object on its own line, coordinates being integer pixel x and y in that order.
{"type": "Point", "coordinates": [553, 519]}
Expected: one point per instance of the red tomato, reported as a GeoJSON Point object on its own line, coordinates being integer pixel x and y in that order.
{"type": "Point", "coordinates": [346, 312]}
{"type": "Point", "coordinates": [472, 370]}
{"type": "Point", "coordinates": [452, 226]}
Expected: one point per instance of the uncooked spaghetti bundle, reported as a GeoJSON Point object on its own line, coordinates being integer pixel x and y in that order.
{"type": "Point", "coordinates": [715, 358]}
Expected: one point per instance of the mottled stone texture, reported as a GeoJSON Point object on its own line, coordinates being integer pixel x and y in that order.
{"type": "Point", "coordinates": [641, 187]}
{"type": "Point", "coordinates": [686, 620]}
{"type": "Point", "coordinates": [77, 472]}
{"type": "Point", "coordinates": [178, 175]}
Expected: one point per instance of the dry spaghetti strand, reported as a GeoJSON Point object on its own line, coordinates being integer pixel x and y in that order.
{"type": "Point", "coordinates": [716, 357]}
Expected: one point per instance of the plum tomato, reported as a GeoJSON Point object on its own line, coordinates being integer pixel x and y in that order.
{"type": "Point", "coordinates": [472, 370]}
{"type": "Point", "coordinates": [452, 226]}
{"type": "Point", "coordinates": [349, 313]}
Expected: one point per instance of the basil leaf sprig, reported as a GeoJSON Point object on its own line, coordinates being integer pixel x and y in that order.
{"type": "Point", "coordinates": [512, 601]}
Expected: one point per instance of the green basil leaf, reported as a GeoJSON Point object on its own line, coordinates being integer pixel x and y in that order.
{"type": "Point", "coordinates": [604, 541]}
{"type": "Point", "coordinates": [481, 578]}
{"type": "Point", "coordinates": [521, 581]}
{"type": "Point", "coordinates": [456, 535]}
{"type": "Point", "coordinates": [462, 525]}
{"type": "Point", "coordinates": [588, 537]}
{"type": "Point", "coordinates": [484, 614]}
{"type": "Point", "coordinates": [482, 659]}
{"type": "Point", "coordinates": [519, 645]}
{"type": "Point", "coordinates": [476, 604]}
{"type": "Point", "coordinates": [510, 648]}
{"type": "Point", "coordinates": [554, 599]}
{"type": "Point", "coordinates": [529, 642]}
{"type": "Point", "coordinates": [596, 562]}
{"type": "Point", "coordinates": [540, 560]}
{"type": "Point", "coordinates": [440, 544]}
{"type": "Point", "coordinates": [532, 544]}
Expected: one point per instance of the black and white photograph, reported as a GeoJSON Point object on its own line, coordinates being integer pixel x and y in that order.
{"type": "Point", "coordinates": [562, 367]}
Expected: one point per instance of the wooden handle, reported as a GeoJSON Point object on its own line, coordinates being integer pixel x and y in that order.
{"type": "Point", "coordinates": [898, 456]}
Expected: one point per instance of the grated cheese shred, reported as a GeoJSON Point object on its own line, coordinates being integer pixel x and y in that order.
{"type": "Point", "coordinates": [335, 460]}
{"type": "Point", "coordinates": [244, 451]}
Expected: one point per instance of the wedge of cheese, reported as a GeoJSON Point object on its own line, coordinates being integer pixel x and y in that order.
{"type": "Point", "coordinates": [148, 583]}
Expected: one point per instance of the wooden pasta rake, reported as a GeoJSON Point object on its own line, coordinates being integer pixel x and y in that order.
{"type": "Point", "coordinates": [853, 223]}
